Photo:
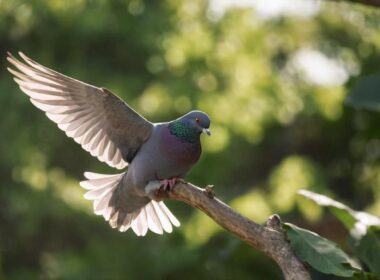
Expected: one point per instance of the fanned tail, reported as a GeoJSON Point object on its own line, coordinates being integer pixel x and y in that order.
{"type": "Point", "coordinates": [151, 215]}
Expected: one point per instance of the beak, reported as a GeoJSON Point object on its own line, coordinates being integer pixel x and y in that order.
{"type": "Point", "coordinates": [207, 131]}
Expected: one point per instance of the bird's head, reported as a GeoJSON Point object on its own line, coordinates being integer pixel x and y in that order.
{"type": "Point", "coordinates": [190, 126]}
{"type": "Point", "coordinates": [198, 121]}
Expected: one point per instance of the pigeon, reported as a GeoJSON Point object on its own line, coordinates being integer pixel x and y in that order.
{"type": "Point", "coordinates": [156, 155]}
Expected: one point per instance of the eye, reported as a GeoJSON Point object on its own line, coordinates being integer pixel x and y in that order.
{"type": "Point", "coordinates": [197, 120]}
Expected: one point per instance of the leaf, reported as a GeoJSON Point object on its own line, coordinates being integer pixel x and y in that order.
{"type": "Point", "coordinates": [366, 93]}
{"type": "Point", "coordinates": [368, 249]}
{"type": "Point", "coordinates": [341, 211]}
{"type": "Point", "coordinates": [322, 254]}
{"type": "Point", "coordinates": [355, 221]}
{"type": "Point", "coordinates": [364, 229]}
{"type": "Point", "coordinates": [361, 275]}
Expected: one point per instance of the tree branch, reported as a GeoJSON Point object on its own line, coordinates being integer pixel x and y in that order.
{"type": "Point", "coordinates": [270, 238]}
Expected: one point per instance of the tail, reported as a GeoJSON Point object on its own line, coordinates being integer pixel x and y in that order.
{"type": "Point", "coordinates": [153, 215]}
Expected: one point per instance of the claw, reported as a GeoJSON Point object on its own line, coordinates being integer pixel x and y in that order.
{"type": "Point", "coordinates": [168, 184]}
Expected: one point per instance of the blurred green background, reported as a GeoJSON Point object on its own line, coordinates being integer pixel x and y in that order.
{"type": "Point", "coordinates": [272, 76]}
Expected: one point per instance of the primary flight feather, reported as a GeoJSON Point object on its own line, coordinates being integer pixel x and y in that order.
{"type": "Point", "coordinates": [105, 126]}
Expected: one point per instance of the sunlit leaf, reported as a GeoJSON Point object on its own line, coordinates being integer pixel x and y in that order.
{"type": "Point", "coordinates": [356, 221]}
{"type": "Point", "coordinates": [322, 254]}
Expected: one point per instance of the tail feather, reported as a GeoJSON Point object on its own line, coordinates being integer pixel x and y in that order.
{"type": "Point", "coordinates": [127, 222]}
{"type": "Point", "coordinates": [153, 220]}
{"type": "Point", "coordinates": [101, 205]}
{"type": "Point", "coordinates": [113, 220]}
{"type": "Point", "coordinates": [154, 215]}
{"type": "Point", "coordinates": [97, 193]}
{"type": "Point", "coordinates": [169, 214]}
{"type": "Point", "coordinates": [165, 222]}
{"type": "Point", "coordinates": [107, 213]}
{"type": "Point", "coordinates": [139, 224]}
{"type": "Point", "coordinates": [92, 175]}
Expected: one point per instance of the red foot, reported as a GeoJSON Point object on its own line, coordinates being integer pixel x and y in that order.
{"type": "Point", "coordinates": [168, 184]}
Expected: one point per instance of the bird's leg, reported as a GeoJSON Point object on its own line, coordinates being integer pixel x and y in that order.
{"type": "Point", "coordinates": [154, 187]}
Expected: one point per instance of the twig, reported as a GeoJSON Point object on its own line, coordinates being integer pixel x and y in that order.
{"type": "Point", "coordinates": [270, 238]}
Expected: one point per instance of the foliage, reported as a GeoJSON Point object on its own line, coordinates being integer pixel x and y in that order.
{"type": "Point", "coordinates": [279, 124]}
{"type": "Point", "coordinates": [367, 249]}
{"type": "Point", "coordinates": [320, 253]}
{"type": "Point", "coordinates": [364, 233]}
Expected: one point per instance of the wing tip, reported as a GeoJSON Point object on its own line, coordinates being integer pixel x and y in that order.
{"type": "Point", "coordinates": [10, 70]}
{"type": "Point", "coordinates": [25, 57]}
{"type": "Point", "coordinates": [9, 54]}
{"type": "Point", "coordinates": [11, 58]}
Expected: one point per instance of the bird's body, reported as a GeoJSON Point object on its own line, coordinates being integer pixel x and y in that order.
{"type": "Point", "coordinates": [164, 155]}
{"type": "Point", "coordinates": [108, 128]}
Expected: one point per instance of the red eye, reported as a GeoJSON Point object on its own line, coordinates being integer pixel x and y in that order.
{"type": "Point", "coordinates": [196, 120]}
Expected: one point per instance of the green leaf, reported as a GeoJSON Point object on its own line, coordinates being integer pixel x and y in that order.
{"type": "Point", "coordinates": [322, 254]}
{"type": "Point", "coordinates": [368, 249]}
{"type": "Point", "coordinates": [364, 227]}
{"type": "Point", "coordinates": [361, 275]}
{"type": "Point", "coordinates": [356, 221]}
{"type": "Point", "coordinates": [366, 93]}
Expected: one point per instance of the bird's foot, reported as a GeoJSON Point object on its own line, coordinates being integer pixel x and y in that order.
{"type": "Point", "coordinates": [153, 188]}
{"type": "Point", "coordinates": [168, 184]}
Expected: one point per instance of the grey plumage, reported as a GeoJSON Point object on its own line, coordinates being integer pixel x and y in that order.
{"type": "Point", "coordinates": [113, 132]}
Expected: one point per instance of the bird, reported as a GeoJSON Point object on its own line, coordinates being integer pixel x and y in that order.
{"type": "Point", "coordinates": [154, 156]}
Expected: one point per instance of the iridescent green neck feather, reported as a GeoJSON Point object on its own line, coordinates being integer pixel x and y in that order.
{"type": "Point", "coordinates": [184, 131]}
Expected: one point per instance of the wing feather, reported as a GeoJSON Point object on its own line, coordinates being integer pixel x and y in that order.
{"type": "Point", "coordinates": [97, 119]}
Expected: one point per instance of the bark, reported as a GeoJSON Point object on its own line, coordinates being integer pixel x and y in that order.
{"type": "Point", "coordinates": [269, 238]}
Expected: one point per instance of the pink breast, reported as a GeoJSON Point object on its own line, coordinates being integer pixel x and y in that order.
{"type": "Point", "coordinates": [182, 152]}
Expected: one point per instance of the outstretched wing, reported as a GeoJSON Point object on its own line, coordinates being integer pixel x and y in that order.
{"type": "Point", "coordinates": [94, 117]}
